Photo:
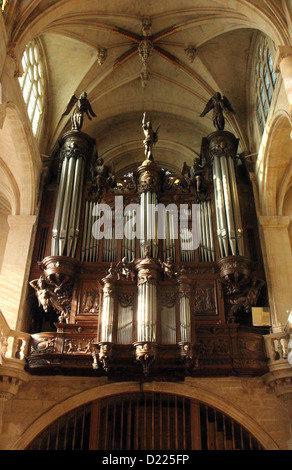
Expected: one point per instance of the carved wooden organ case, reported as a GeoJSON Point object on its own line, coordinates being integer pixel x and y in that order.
{"type": "Point", "coordinates": [147, 307]}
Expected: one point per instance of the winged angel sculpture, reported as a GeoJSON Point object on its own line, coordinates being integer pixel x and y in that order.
{"type": "Point", "coordinates": [219, 104]}
{"type": "Point", "coordinates": [82, 106]}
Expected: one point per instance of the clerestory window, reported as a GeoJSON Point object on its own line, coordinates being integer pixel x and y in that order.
{"type": "Point", "coordinates": [33, 83]}
{"type": "Point", "coordinates": [265, 83]}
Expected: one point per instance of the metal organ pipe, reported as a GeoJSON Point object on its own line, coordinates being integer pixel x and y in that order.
{"type": "Point", "coordinates": [236, 207]}
{"type": "Point", "coordinates": [66, 206]}
{"type": "Point", "coordinates": [184, 308]}
{"type": "Point", "coordinates": [228, 204]}
{"type": "Point", "coordinates": [108, 305]}
{"type": "Point", "coordinates": [76, 147]}
{"type": "Point", "coordinates": [220, 208]}
{"type": "Point", "coordinates": [107, 320]}
{"type": "Point", "coordinates": [185, 319]}
{"type": "Point", "coordinates": [210, 225]}
{"type": "Point", "coordinates": [147, 312]}
{"type": "Point", "coordinates": [59, 206]}
{"type": "Point", "coordinates": [223, 148]}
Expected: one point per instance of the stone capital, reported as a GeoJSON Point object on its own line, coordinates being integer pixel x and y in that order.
{"type": "Point", "coordinates": [270, 221]}
{"type": "Point", "coordinates": [21, 220]}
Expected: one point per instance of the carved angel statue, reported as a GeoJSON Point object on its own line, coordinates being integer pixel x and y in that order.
{"type": "Point", "coordinates": [218, 104]}
{"type": "Point", "coordinates": [194, 175]}
{"type": "Point", "coordinates": [151, 137]}
{"type": "Point", "coordinates": [125, 269]}
{"type": "Point", "coordinates": [82, 106]}
{"type": "Point", "coordinates": [169, 267]}
{"type": "Point", "coordinates": [101, 175]}
{"type": "Point", "coordinates": [49, 298]}
{"type": "Point", "coordinates": [249, 300]}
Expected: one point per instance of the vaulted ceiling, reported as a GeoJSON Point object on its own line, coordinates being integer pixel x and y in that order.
{"type": "Point", "coordinates": [196, 47]}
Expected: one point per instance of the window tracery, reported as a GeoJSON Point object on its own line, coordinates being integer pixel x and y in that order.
{"type": "Point", "coordinates": [32, 83]}
{"type": "Point", "coordinates": [265, 82]}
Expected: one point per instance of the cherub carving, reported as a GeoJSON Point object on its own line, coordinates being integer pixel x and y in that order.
{"type": "Point", "coordinates": [218, 104]}
{"type": "Point", "coordinates": [249, 300]}
{"type": "Point", "coordinates": [151, 137]}
{"type": "Point", "coordinates": [194, 175]}
{"type": "Point", "coordinates": [169, 267]}
{"type": "Point", "coordinates": [102, 176]}
{"type": "Point", "coordinates": [125, 269]}
{"type": "Point", "coordinates": [82, 106]}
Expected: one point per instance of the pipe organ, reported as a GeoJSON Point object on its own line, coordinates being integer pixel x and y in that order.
{"type": "Point", "coordinates": [151, 279]}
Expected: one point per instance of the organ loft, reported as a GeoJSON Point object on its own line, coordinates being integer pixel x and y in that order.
{"type": "Point", "coordinates": [152, 275]}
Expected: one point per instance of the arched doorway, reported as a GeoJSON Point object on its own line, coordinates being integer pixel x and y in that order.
{"type": "Point", "coordinates": [145, 421]}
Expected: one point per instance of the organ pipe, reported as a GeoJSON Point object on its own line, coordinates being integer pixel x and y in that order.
{"type": "Point", "coordinates": [222, 150]}
{"type": "Point", "coordinates": [108, 305]}
{"type": "Point", "coordinates": [185, 343]}
{"type": "Point", "coordinates": [185, 319]}
{"type": "Point", "coordinates": [147, 299]}
{"type": "Point", "coordinates": [148, 182]}
{"type": "Point", "coordinates": [75, 149]}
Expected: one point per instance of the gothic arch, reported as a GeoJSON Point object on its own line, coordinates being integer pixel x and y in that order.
{"type": "Point", "coordinates": [105, 391]}
{"type": "Point", "coordinates": [274, 161]}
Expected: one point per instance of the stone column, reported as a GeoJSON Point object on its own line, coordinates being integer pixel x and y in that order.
{"type": "Point", "coordinates": [283, 64]}
{"type": "Point", "coordinates": [15, 268]}
{"type": "Point", "coordinates": [278, 262]}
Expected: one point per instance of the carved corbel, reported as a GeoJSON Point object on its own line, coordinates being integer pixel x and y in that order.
{"type": "Point", "coordinates": [105, 355]}
{"type": "Point", "coordinates": [191, 52]}
{"type": "Point", "coordinates": [146, 355]}
{"type": "Point", "coordinates": [101, 55]}
{"type": "Point", "coordinates": [186, 352]}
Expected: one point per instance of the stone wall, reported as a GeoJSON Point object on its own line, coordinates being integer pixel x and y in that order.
{"type": "Point", "coordinates": [41, 400]}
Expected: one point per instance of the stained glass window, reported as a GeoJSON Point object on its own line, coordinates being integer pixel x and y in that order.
{"type": "Point", "coordinates": [32, 83]}
{"type": "Point", "coordinates": [265, 83]}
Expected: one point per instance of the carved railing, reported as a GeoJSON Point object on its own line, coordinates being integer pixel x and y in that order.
{"type": "Point", "coordinates": [13, 350]}
{"type": "Point", "coordinates": [277, 349]}
{"type": "Point", "coordinates": [220, 351]}
{"type": "Point", "coordinates": [13, 344]}
{"type": "Point", "coordinates": [278, 346]}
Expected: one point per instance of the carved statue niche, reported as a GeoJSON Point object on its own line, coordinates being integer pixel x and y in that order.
{"type": "Point", "coordinates": [90, 301]}
{"type": "Point", "coordinates": [102, 176]}
{"type": "Point", "coordinates": [219, 104]}
{"type": "Point", "coordinates": [151, 137]}
{"type": "Point", "coordinates": [204, 300]}
{"type": "Point", "coordinates": [82, 106]}
{"type": "Point", "coordinates": [195, 177]}
{"type": "Point", "coordinates": [126, 269]}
